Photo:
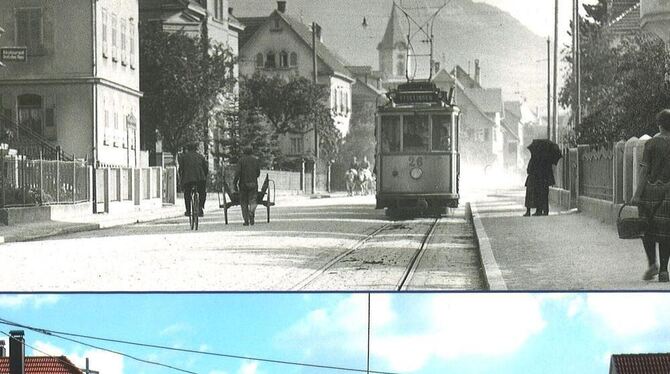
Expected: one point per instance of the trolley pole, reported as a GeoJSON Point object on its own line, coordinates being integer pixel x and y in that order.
{"type": "Point", "coordinates": [315, 27]}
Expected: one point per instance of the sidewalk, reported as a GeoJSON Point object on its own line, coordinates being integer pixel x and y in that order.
{"type": "Point", "coordinates": [562, 251]}
{"type": "Point", "coordinates": [44, 229]}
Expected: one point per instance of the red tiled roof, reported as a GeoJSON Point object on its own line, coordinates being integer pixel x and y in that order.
{"type": "Point", "coordinates": [645, 363]}
{"type": "Point", "coordinates": [43, 365]}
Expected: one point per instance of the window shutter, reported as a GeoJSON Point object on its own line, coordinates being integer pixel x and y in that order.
{"type": "Point", "coordinates": [48, 40]}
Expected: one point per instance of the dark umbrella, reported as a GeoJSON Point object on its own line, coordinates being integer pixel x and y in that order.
{"type": "Point", "coordinates": [545, 150]}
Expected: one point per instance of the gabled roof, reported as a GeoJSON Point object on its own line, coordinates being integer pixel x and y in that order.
{"type": "Point", "coordinates": [488, 99]}
{"type": "Point", "coordinates": [513, 108]}
{"type": "Point", "coordinates": [464, 77]}
{"type": "Point", "coordinates": [43, 365]}
{"type": "Point", "coordinates": [618, 7]}
{"type": "Point", "coordinates": [328, 57]}
{"type": "Point", "coordinates": [627, 22]}
{"type": "Point", "coordinates": [645, 363]}
{"type": "Point", "coordinates": [394, 33]}
{"type": "Point", "coordinates": [371, 89]}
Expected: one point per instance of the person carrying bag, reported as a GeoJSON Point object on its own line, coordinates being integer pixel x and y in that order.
{"type": "Point", "coordinates": [653, 200]}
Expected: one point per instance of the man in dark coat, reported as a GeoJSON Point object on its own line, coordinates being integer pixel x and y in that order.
{"type": "Point", "coordinates": [246, 178]}
{"type": "Point", "coordinates": [193, 170]}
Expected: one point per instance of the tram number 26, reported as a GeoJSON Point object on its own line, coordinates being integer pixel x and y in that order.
{"type": "Point", "coordinates": [415, 162]}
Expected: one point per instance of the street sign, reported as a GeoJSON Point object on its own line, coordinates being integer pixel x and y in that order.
{"type": "Point", "coordinates": [19, 54]}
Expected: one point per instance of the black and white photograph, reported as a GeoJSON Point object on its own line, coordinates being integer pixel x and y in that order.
{"type": "Point", "coordinates": [303, 150]}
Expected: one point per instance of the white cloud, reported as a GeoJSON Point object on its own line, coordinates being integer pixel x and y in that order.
{"type": "Point", "coordinates": [176, 328]}
{"type": "Point", "coordinates": [99, 360]}
{"type": "Point", "coordinates": [630, 314]}
{"type": "Point", "coordinates": [248, 368]}
{"type": "Point", "coordinates": [441, 326]}
{"type": "Point", "coordinates": [575, 306]}
{"type": "Point", "coordinates": [19, 301]}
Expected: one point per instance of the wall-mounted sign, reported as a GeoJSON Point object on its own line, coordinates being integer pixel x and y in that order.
{"type": "Point", "coordinates": [14, 54]}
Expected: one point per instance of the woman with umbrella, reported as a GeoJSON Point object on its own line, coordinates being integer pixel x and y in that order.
{"type": "Point", "coordinates": [543, 155]}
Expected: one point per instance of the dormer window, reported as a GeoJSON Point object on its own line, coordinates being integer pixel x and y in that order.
{"type": "Point", "coordinates": [276, 24]}
{"type": "Point", "coordinates": [283, 59]}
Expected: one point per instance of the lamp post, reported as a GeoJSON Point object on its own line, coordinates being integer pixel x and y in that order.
{"type": "Point", "coordinates": [315, 29]}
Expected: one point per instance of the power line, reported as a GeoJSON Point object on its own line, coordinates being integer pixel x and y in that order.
{"type": "Point", "coordinates": [59, 334]}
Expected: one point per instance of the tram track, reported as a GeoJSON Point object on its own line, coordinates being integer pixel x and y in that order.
{"type": "Point", "coordinates": [387, 258]}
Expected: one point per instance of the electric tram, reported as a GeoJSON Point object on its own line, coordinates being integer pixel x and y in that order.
{"type": "Point", "coordinates": [417, 158]}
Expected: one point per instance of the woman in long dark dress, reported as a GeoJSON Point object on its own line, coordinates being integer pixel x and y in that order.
{"type": "Point", "coordinates": [652, 198]}
{"type": "Point", "coordinates": [544, 153]}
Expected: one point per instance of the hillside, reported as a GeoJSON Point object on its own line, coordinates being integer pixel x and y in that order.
{"type": "Point", "coordinates": [465, 31]}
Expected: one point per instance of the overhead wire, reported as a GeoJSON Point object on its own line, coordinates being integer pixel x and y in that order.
{"type": "Point", "coordinates": [64, 335]}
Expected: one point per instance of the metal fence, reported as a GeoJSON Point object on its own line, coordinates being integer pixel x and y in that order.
{"type": "Point", "coordinates": [27, 182]}
{"type": "Point", "coordinates": [595, 177]}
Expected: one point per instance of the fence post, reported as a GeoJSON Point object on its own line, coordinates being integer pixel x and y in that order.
{"type": "Point", "coordinates": [302, 176]}
{"type": "Point", "coordinates": [57, 177]}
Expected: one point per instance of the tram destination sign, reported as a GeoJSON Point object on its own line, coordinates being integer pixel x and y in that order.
{"type": "Point", "coordinates": [19, 54]}
{"type": "Point", "coordinates": [415, 97]}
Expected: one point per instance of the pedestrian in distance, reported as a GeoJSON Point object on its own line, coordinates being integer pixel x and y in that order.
{"type": "Point", "coordinates": [354, 164]}
{"type": "Point", "coordinates": [193, 171]}
{"type": "Point", "coordinates": [653, 200]}
{"type": "Point", "coordinates": [246, 180]}
{"type": "Point", "coordinates": [543, 155]}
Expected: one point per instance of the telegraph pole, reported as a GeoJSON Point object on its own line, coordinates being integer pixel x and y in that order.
{"type": "Point", "coordinates": [316, 133]}
{"type": "Point", "coordinates": [576, 61]}
{"type": "Point", "coordinates": [555, 114]}
{"type": "Point", "coordinates": [548, 88]}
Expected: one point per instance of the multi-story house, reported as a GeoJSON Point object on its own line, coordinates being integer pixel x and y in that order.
{"type": "Point", "coordinates": [79, 85]}
{"type": "Point", "coordinates": [280, 44]}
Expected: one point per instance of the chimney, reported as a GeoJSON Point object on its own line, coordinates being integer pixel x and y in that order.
{"type": "Point", "coordinates": [477, 71]}
{"type": "Point", "coordinates": [3, 351]}
{"type": "Point", "coordinates": [16, 352]}
{"type": "Point", "coordinates": [281, 6]}
{"type": "Point", "coordinates": [230, 10]}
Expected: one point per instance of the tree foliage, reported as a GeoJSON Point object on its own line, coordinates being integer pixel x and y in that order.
{"type": "Point", "coordinates": [360, 141]}
{"type": "Point", "coordinates": [292, 106]}
{"type": "Point", "coordinates": [622, 82]}
{"type": "Point", "coordinates": [182, 78]}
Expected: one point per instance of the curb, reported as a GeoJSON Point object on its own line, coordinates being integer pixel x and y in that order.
{"type": "Point", "coordinates": [492, 273]}
{"type": "Point", "coordinates": [52, 232]}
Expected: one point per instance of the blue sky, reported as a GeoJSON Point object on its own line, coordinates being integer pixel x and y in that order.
{"type": "Point", "coordinates": [418, 333]}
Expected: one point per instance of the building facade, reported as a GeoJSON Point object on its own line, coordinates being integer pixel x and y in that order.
{"type": "Point", "coordinates": [79, 87]}
{"type": "Point", "coordinates": [280, 44]}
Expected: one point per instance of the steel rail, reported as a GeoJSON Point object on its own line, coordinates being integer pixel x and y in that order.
{"type": "Point", "coordinates": [416, 259]}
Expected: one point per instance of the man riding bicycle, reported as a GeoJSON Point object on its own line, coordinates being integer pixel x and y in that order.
{"type": "Point", "coordinates": [193, 171]}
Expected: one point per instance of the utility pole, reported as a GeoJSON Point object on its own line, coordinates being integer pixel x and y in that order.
{"type": "Point", "coordinates": [548, 88]}
{"type": "Point", "coordinates": [577, 65]}
{"type": "Point", "coordinates": [315, 27]}
{"type": "Point", "coordinates": [555, 114]}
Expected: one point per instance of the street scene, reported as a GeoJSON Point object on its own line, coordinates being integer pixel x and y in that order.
{"type": "Point", "coordinates": [308, 186]}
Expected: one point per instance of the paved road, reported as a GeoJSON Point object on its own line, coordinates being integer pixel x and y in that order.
{"type": "Point", "coordinates": [563, 251]}
{"type": "Point", "coordinates": [291, 252]}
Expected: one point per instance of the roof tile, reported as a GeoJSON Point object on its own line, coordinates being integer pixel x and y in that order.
{"type": "Point", "coordinates": [43, 365]}
{"type": "Point", "coordinates": [645, 363]}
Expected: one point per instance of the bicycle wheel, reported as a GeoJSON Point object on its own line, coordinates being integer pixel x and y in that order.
{"type": "Point", "coordinates": [195, 210]}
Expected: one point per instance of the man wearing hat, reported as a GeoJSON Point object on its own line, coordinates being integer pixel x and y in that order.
{"type": "Point", "coordinates": [246, 179]}
{"type": "Point", "coordinates": [193, 170]}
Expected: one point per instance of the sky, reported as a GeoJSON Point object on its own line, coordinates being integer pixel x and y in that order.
{"type": "Point", "coordinates": [410, 333]}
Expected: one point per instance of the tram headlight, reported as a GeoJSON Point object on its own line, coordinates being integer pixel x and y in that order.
{"type": "Point", "coordinates": [416, 173]}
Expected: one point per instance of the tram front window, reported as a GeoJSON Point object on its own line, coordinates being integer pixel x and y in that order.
{"type": "Point", "coordinates": [415, 133]}
{"type": "Point", "coordinates": [442, 133]}
{"type": "Point", "coordinates": [390, 134]}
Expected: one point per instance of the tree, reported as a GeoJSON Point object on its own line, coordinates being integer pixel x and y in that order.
{"type": "Point", "coordinates": [183, 79]}
{"type": "Point", "coordinates": [622, 82]}
{"type": "Point", "coordinates": [360, 141]}
{"type": "Point", "coordinates": [292, 106]}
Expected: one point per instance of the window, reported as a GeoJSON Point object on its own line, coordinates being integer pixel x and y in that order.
{"type": "Point", "coordinates": [131, 43]}
{"type": "Point", "coordinates": [479, 134]}
{"type": "Point", "coordinates": [390, 134]}
{"type": "Point", "coordinates": [114, 25]}
{"type": "Point", "coordinates": [29, 30]}
{"type": "Point", "coordinates": [259, 60]}
{"type": "Point", "coordinates": [294, 59]}
{"type": "Point", "coordinates": [401, 68]}
{"type": "Point", "coordinates": [105, 133]}
{"type": "Point", "coordinates": [218, 9]}
{"type": "Point", "coordinates": [123, 42]}
{"type": "Point", "coordinates": [270, 61]}
{"type": "Point", "coordinates": [116, 129]}
{"type": "Point", "coordinates": [415, 133]}
{"type": "Point", "coordinates": [104, 32]}
{"type": "Point", "coordinates": [283, 59]}
{"type": "Point", "coordinates": [486, 135]}
{"type": "Point", "coordinates": [441, 133]}
{"type": "Point", "coordinates": [276, 25]}
{"type": "Point", "coordinates": [297, 145]}
{"type": "Point", "coordinates": [333, 98]}
{"type": "Point", "coordinates": [30, 112]}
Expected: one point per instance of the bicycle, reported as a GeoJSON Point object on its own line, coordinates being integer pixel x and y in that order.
{"type": "Point", "coordinates": [195, 208]}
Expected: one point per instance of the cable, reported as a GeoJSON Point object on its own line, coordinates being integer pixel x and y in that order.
{"type": "Point", "coordinates": [58, 334]}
